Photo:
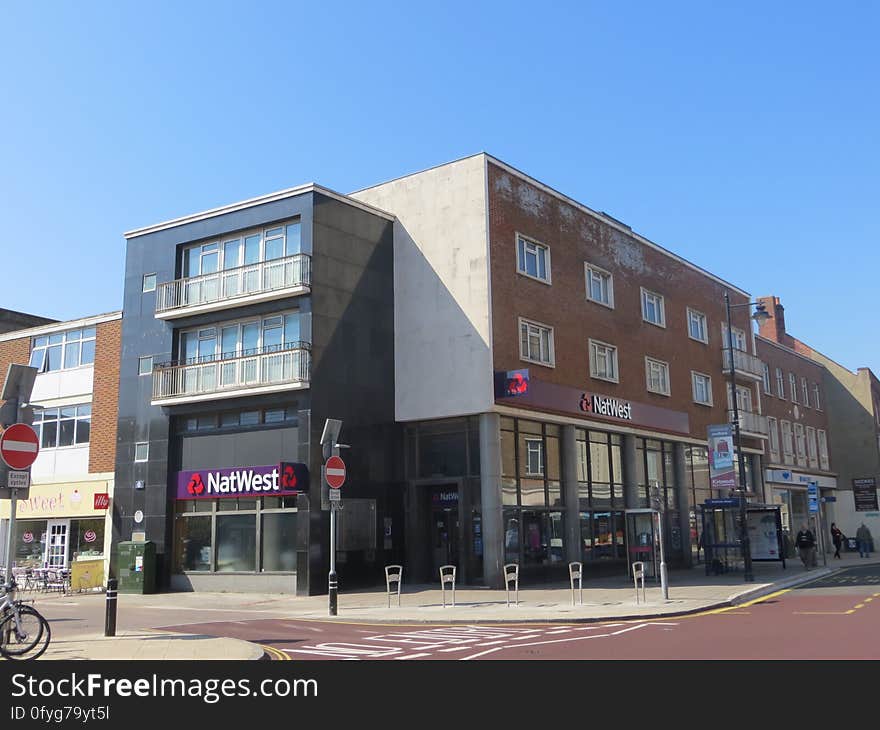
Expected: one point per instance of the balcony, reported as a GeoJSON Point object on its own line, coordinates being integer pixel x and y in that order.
{"type": "Point", "coordinates": [260, 282]}
{"type": "Point", "coordinates": [228, 376]}
{"type": "Point", "coordinates": [751, 425]}
{"type": "Point", "coordinates": [744, 364]}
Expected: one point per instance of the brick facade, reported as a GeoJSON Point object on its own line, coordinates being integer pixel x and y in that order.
{"type": "Point", "coordinates": [105, 397]}
{"type": "Point", "coordinates": [576, 237]}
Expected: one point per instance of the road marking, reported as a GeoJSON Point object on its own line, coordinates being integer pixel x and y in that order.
{"type": "Point", "coordinates": [273, 652]}
{"type": "Point", "coordinates": [860, 605]}
{"type": "Point", "coordinates": [823, 613]}
{"type": "Point", "coordinates": [412, 656]}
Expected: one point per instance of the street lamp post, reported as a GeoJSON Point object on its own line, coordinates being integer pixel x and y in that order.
{"type": "Point", "coordinates": [761, 315]}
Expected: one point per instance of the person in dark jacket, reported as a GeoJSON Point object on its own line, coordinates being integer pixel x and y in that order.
{"type": "Point", "coordinates": [806, 545]}
{"type": "Point", "coordinates": [837, 539]}
{"type": "Point", "coordinates": [863, 536]}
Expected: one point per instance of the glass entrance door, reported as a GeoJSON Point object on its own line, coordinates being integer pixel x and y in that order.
{"type": "Point", "coordinates": [444, 530]}
{"type": "Point", "coordinates": [58, 532]}
{"type": "Point", "coordinates": [641, 540]}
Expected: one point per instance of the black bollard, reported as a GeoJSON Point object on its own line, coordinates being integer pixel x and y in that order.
{"type": "Point", "coordinates": [110, 616]}
{"type": "Point", "coordinates": [333, 592]}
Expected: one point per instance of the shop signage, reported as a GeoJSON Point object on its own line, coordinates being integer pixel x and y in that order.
{"type": "Point", "coordinates": [813, 496]}
{"type": "Point", "coordinates": [102, 501]}
{"type": "Point", "coordinates": [511, 383]}
{"type": "Point", "coordinates": [90, 536]}
{"type": "Point", "coordinates": [538, 395]}
{"type": "Point", "coordinates": [276, 480]}
{"type": "Point", "coordinates": [721, 472]}
{"type": "Point", "coordinates": [604, 406]}
{"type": "Point", "coordinates": [722, 502]}
{"type": "Point", "coordinates": [446, 498]}
{"type": "Point", "coordinates": [28, 537]}
{"type": "Point", "coordinates": [865, 494]}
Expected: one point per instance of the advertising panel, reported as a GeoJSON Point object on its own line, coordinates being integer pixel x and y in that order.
{"type": "Point", "coordinates": [721, 471]}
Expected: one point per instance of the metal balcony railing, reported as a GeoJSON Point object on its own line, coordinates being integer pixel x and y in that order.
{"type": "Point", "coordinates": [751, 424]}
{"type": "Point", "coordinates": [230, 284]}
{"type": "Point", "coordinates": [233, 372]}
{"type": "Point", "coordinates": [743, 362]}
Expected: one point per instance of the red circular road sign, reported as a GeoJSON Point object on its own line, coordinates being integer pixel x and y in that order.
{"type": "Point", "coordinates": [334, 471]}
{"type": "Point", "coordinates": [19, 446]}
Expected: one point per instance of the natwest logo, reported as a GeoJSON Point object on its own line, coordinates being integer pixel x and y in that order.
{"type": "Point", "coordinates": [604, 406]}
{"type": "Point", "coordinates": [240, 481]}
{"type": "Point", "coordinates": [276, 479]}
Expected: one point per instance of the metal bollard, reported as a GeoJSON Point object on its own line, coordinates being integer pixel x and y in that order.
{"type": "Point", "coordinates": [333, 592]}
{"type": "Point", "coordinates": [110, 616]}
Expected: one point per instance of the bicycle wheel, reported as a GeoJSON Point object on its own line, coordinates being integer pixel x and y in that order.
{"type": "Point", "coordinates": [27, 641]}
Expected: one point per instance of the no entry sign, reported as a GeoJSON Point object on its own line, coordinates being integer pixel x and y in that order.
{"type": "Point", "coordinates": [19, 446]}
{"type": "Point", "coordinates": [334, 471]}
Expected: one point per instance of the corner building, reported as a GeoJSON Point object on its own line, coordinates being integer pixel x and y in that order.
{"type": "Point", "coordinates": [551, 365]}
{"type": "Point", "coordinates": [243, 328]}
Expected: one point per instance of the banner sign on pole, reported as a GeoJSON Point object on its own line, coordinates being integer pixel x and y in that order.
{"type": "Point", "coordinates": [721, 472]}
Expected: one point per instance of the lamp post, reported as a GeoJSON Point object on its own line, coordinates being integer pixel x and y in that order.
{"type": "Point", "coordinates": [761, 315]}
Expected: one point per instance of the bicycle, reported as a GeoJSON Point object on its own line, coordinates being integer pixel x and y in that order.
{"type": "Point", "coordinates": [24, 631]}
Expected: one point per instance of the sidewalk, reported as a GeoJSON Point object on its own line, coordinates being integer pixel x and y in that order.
{"type": "Point", "coordinates": [690, 591]}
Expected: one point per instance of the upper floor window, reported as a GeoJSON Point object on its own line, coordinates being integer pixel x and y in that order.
{"type": "Point", "coordinates": [787, 446]}
{"type": "Point", "coordinates": [767, 389]}
{"type": "Point", "coordinates": [792, 387]}
{"type": "Point", "coordinates": [63, 350]}
{"type": "Point", "coordinates": [702, 387]}
{"type": "Point", "coordinates": [536, 342]}
{"type": "Point", "coordinates": [823, 449]}
{"type": "Point", "coordinates": [653, 309]}
{"type": "Point", "coordinates": [816, 402]}
{"type": "Point", "coordinates": [780, 383]}
{"type": "Point", "coordinates": [800, 443]}
{"type": "Point", "coordinates": [235, 339]}
{"type": "Point", "coordinates": [65, 426]}
{"type": "Point", "coordinates": [739, 338]}
{"type": "Point", "coordinates": [603, 361]}
{"type": "Point", "coordinates": [805, 391]}
{"type": "Point", "coordinates": [657, 375]}
{"type": "Point", "coordinates": [743, 398]}
{"type": "Point", "coordinates": [533, 259]}
{"type": "Point", "coordinates": [242, 249]}
{"type": "Point", "coordinates": [600, 286]}
{"type": "Point", "coordinates": [697, 329]}
{"type": "Point", "coordinates": [774, 438]}
{"type": "Point", "coordinates": [149, 283]}
{"type": "Point", "coordinates": [812, 452]}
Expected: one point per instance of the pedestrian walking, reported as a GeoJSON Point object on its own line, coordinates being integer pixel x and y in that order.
{"type": "Point", "coordinates": [837, 539]}
{"type": "Point", "coordinates": [806, 545]}
{"type": "Point", "coordinates": [863, 538]}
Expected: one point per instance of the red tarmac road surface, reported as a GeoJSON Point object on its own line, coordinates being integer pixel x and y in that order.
{"type": "Point", "coordinates": [832, 618]}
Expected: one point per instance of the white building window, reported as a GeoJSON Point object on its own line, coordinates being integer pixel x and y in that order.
{"type": "Point", "coordinates": [812, 451]}
{"type": "Point", "coordinates": [533, 259]}
{"type": "Point", "coordinates": [653, 309]}
{"type": "Point", "coordinates": [787, 446]}
{"type": "Point", "coordinates": [63, 350]}
{"type": "Point", "coordinates": [141, 451]}
{"type": "Point", "coordinates": [534, 457]}
{"type": "Point", "coordinates": [774, 439]}
{"type": "Point", "coordinates": [536, 342]}
{"type": "Point", "coordinates": [767, 388]}
{"type": "Point", "coordinates": [697, 329]}
{"type": "Point", "coordinates": [739, 338]}
{"type": "Point", "coordinates": [64, 426]}
{"type": "Point", "coordinates": [242, 249]}
{"type": "Point", "coordinates": [800, 443]}
{"type": "Point", "coordinates": [657, 375]}
{"type": "Point", "coordinates": [600, 285]}
{"type": "Point", "coordinates": [780, 383]}
{"type": "Point", "coordinates": [603, 361]}
{"type": "Point", "coordinates": [743, 398]}
{"type": "Point", "coordinates": [149, 283]}
{"type": "Point", "coordinates": [792, 387]}
{"type": "Point", "coordinates": [823, 450]}
{"type": "Point", "coordinates": [702, 387]}
{"type": "Point", "coordinates": [805, 391]}
{"type": "Point", "coordinates": [816, 402]}
{"type": "Point", "coordinates": [145, 365]}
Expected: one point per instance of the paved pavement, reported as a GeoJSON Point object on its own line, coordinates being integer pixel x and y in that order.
{"type": "Point", "coordinates": [141, 617]}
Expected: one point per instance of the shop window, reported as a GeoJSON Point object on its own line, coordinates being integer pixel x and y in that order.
{"type": "Point", "coordinates": [236, 543]}
{"type": "Point", "coordinates": [87, 537]}
{"type": "Point", "coordinates": [278, 537]}
{"type": "Point", "coordinates": [193, 543]}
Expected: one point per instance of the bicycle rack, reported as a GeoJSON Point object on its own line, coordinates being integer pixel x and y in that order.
{"type": "Point", "coordinates": [638, 569]}
{"type": "Point", "coordinates": [511, 573]}
{"type": "Point", "coordinates": [447, 575]}
{"type": "Point", "coordinates": [575, 573]}
{"type": "Point", "coordinates": [393, 574]}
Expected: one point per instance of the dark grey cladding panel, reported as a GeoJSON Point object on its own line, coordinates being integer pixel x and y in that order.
{"type": "Point", "coordinates": [227, 450]}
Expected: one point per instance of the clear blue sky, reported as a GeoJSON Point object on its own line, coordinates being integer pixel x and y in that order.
{"type": "Point", "coordinates": [746, 139]}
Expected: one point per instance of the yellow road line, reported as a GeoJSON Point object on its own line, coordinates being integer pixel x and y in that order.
{"type": "Point", "coordinates": [860, 605]}
{"type": "Point", "coordinates": [275, 653]}
{"type": "Point", "coordinates": [823, 613]}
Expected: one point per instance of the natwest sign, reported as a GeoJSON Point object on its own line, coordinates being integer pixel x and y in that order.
{"type": "Point", "coordinates": [277, 480]}
{"type": "Point", "coordinates": [604, 406]}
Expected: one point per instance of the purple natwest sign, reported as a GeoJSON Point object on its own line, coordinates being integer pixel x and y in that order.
{"type": "Point", "coordinates": [275, 480]}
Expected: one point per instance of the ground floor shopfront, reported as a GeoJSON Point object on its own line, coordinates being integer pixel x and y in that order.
{"type": "Point", "coordinates": [533, 489]}
{"type": "Point", "coordinates": [789, 489]}
{"type": "Point", "coordinates": [63, 526]}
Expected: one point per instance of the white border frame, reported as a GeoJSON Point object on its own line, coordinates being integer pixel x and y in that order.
{"type": "Point", "coordinates": [705, 325]}
{"type": "Point", "coordinates": [519, 323]}
{"type": "Point", "coordinates": [648, 360]}
{"type": "Point", "coordinates": [590, 343]}
{"type": "Point", "coordinates": [600, 270]}
{"type": "Point", "coordinates": [711, 402]}
{"type": "Point", "coordinates": [549, 280]}
{"type": "Point", "coordinates": [662, 306]}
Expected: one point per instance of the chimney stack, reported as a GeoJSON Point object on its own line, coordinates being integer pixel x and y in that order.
{"type": "Point", "coordinates": [774, 328]}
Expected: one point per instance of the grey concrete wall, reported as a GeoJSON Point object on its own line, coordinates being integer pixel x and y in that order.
{"type": "Point", "coordinates": [490, 497]}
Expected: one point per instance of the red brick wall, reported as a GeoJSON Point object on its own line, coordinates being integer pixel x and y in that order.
{"type": "Point", "coordinates": [575, 237]}
{"type": "Point", "coordinates": [105, 397]}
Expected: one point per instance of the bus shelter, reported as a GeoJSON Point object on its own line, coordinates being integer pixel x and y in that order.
{"type": "Point", "coordinates": [721, 534]}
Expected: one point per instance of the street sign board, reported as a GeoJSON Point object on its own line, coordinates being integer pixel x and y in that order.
{"type": "Point", "coordinates": [829, 499]}
{"type": "Point", "coordinates": [19, 480]}
{"type": "Point", "coordinates": [813, 496]}
{"type": "Point", "coordinates": [334, 471]}
{"type": "Point", "coordinates": [335, 495]}
{"type": "Point", "coordinates": [19, 446]}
